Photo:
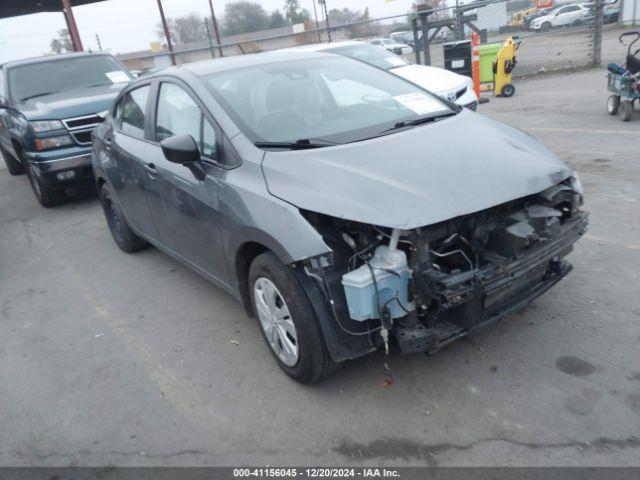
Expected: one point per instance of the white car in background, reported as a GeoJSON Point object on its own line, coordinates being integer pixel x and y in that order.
{"type": "Point", "coordinates": [392, 46]}
{"type": "Point", "coordinates": [565, 16]}
{"type": "Point", "coordinates": [449, 85]}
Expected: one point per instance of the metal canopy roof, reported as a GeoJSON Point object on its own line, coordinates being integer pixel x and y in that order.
{"type": "Point", "coordinates": [15, 8]}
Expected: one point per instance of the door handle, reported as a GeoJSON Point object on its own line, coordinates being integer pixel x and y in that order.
{"type": "Point", "coordinates": [151, 169]}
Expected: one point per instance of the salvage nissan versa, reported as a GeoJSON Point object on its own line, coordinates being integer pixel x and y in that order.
{"type": "Point", "coordinates": [344, 206]}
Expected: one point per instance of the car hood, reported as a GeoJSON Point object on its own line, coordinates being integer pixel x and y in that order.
{"type": "Point", "coordinates": [72, 103]}
{"type": "Point", "coordinates": [417, 177]}
{"type": "Point", "coordinates": [436, 80]}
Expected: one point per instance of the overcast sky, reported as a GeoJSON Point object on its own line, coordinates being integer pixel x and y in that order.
{"type": "Point", "coordinates": [129, 25]}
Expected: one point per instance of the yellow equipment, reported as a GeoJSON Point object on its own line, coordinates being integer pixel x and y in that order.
{"type": "Point", "coordinates": [503, 65]}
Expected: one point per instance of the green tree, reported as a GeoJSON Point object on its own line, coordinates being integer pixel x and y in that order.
{"type": "Point", "coordinates": [244, 16]}
{"type": "Point", "coordinates": [62, 43]}
{"type": "Point", "coordinates": [186, 29]}
{"type": "Point", "coordinates": [277, 20]}
{"type": "Point", "coordinates": [294, 13]}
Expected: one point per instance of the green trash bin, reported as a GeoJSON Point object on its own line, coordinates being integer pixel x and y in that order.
{"type": "Point", "coordinates": [488, 54]}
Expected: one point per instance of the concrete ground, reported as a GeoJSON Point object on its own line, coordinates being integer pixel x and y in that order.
{"type": "Point", "coordinates": [115, 359]}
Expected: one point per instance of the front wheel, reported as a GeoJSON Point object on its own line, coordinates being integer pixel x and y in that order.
{"type": "Point", "coordinates": [46, 196]}
{"type": "Point", "coordinates": [626, 110]}
{"type": "Point", "coordinates": [613, 103]}
{"type": "Point", "coordinates": [546, 26]}
{"type": "Point", "coordinates": [288, 322]}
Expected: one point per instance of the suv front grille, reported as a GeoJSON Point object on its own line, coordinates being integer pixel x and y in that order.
{"type": "Point", "coordinates": [80, 128]}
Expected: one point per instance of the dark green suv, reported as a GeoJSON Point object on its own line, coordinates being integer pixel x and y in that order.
{"type": "Point", "coordinates": [49, 107]}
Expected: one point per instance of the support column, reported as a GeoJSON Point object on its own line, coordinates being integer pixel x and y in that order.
{"type": "Point", "coordinates": [167, 35]}
{"type": "Point", "coordinates": [71, 26]}
{"type": "Point", "coordinates": [216, 30]}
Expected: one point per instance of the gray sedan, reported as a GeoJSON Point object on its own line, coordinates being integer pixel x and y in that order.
{"type": "Point", "coordinates": [344, 206]}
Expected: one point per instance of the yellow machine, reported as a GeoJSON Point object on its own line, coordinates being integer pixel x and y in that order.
{"type": "Point", "coordinates": [503, 65]}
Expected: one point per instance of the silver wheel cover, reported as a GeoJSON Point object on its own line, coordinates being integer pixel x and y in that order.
{"type": "Point", "coordinates": [276, 321]}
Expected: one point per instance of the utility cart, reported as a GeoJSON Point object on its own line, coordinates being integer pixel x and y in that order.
{"type": "Point", "coordinates": [624, 82]}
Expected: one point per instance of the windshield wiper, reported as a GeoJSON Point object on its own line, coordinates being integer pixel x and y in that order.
{"type": "Point", "coordinates": [301, 144]}
{"type": "Point", "coordinates": [418, 121]}
{"type": "Point", "coordinates": [37, 95]}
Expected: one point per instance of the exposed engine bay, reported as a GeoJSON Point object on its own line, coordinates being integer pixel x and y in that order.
{"type": "Point", "coordinates": [429, 286]}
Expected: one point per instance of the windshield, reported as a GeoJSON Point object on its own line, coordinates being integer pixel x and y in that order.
{"type": "Point", "coordinates": [332, 99]}
{"type": "Point", "coordinates": [373, 55]}
{"type": "Point", "coordinates": [45, 78]}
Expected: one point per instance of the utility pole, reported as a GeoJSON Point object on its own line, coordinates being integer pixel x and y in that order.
{"type": "Point", "coordinates": [315, 13]}
{"type": "Point", "coordinates": [215, 28]}
{"type": "Point", "coordinates": [71, 25]}
{"type": "Point", "coordinates": [167, 35]}
{"type": "Point", "coordinates": [326, 17]}
{"type": "Point", "coordinates": [98, 40]}
{"type": "Point", "coordinates": [208, 30]}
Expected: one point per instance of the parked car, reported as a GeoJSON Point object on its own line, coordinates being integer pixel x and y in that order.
{"type": "Point", "coordinates": [611, 12]}
{"type": "Point", "coordinates": [336, 201]}
{"type": "Point", "coordinates": [403, 37]}
{"type": "Point", "coordinates": [450, 85]}
{"type": "Point", "coordinates": [565, 16]}
{"type": "Point", "coordinates": [397, 48]}
{"type": "Point", "coordinates": [49, 107]}
{"type": "Point", "coordinates": [526, 21]}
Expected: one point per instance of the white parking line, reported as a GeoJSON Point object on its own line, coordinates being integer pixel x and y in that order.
{"type": "Point", "coordinates": [582, 130]}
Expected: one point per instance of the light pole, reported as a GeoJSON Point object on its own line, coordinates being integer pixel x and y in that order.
{"type": "Point", "coordinates": [215, 27]}
{"type": "Point", "coordinates": [315, 13]}
{"type": "Point", "coordinates": [326, 17]}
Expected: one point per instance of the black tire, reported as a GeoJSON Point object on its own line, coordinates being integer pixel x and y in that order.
{"type": "Point", "coordinates": [626, 110]}
{"type": "Point", "coordinates": [507, 90]}
{"type": "Point", "coordinates": [314, 362]}
{"type": "Point", "coordinates": [14, 166]}
{"type": "Point", "coordinates": [122, 234]}
{"type": "Point", "coordinates": [613, 103]}
{"type": "Point", "coordinates": [46, 196]}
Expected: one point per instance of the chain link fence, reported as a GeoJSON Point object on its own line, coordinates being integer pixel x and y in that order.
{"type": "Point", "coordinates": [568, 36]}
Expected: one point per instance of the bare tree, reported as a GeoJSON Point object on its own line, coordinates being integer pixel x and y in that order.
{"type": "Point", "coordinates": [62, 43]}
{"type": "Point", "coordinates": [186, 29]}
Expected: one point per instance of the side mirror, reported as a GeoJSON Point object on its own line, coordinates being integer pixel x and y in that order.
{"type": "Point", "coordinates": [180, 149]}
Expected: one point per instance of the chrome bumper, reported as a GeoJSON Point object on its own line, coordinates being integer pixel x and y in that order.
{"type": "Point", "coordinates": [59, 164]}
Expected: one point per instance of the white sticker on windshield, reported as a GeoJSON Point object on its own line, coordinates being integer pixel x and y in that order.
{"type": "Point", "coordinates": [396, 61]}
{"type": "Point", "coordinates": [117, 76]}
{"type": "Point", "coordinates": [419, 103]}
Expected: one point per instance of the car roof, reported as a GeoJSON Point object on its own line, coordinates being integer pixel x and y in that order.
{"type": "Point", "coordinates": [207, 67]}
{"type": "Point", "coordinates": [320, 47]}
{"type": "Point", "coordinates": [50, 58]}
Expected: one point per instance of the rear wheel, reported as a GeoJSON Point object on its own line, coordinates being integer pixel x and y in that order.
{"type": "Point", "coordinates": [613, 103]}
{"type": "Point", "coordinates": [14, 166]}
{"type": "Point", "coordinates": [46, 196]}
{"type": "Point", "coordinates": [289, 325]}
{"type": "Point", "coordinates": [124, 237]}
{"type": "Point", "coordinates": [626, 110]}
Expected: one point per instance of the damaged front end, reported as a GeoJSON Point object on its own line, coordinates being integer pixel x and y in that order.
{"type": "Point", "coordinates": [429, 286]}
